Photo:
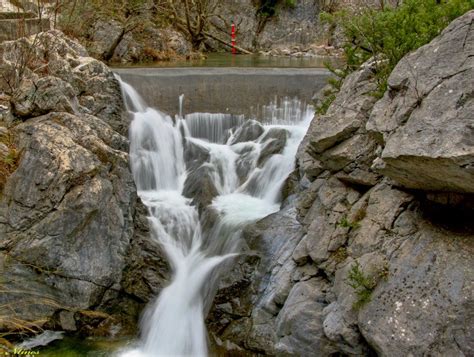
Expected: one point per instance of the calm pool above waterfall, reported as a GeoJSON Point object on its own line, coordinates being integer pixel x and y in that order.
{"type": "Point", "coordinates": [229, 60]}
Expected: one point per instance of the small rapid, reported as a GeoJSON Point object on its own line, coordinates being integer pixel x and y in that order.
{"type": "Point", "coordinates": [245, 174]}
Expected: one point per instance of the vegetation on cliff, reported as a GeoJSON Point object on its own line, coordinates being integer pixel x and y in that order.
{"type": "Point", "coordinates": [388, 34]}
{"type": "Point", "coordinates": [147, 22]}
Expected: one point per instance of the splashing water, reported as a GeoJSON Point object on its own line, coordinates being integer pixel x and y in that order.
{"type": "Point", "coordinates": [173, 325]}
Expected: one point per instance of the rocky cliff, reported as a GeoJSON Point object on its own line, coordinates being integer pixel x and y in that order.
{"type": "Point", "coordinates": [72, 231]}
{"type": "Point", "coordinates": [372, 250]}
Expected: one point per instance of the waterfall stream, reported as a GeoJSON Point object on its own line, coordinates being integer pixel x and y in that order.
{"type": "Point", "coordinates": [245, 167]}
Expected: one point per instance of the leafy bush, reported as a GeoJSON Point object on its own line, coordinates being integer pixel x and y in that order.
{"type": "Point", "coordinates": [388, 34]}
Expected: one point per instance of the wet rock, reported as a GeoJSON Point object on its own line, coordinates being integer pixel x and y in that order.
{"type": "Point", "coordinates": [249, 131]}
{"type": "Point", "coordinates": [247, 161]}
{"type": "Point", "coordinates": [273, 142]}
{"type": "Point", "coordinates": [270, 247]}
{"type": "Point", "coordinates": [195, 155]}
{"type": "Point", "coordinates": [145, 272]}
{"type": "Point", "coordinates": [200, 186]}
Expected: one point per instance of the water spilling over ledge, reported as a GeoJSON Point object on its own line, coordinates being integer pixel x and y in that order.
{"type": "Point", "coordinates": [223, 90]}
{"type": "Point", "coordinates": [243, 163]}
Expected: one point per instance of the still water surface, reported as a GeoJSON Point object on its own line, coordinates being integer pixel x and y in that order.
{"type": "Point", "coordinates": [229, 60]}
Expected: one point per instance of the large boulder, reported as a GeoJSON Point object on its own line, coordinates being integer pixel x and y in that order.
{"type": "Point", "coordinates": [338, 141]}
{"type": "Point", "coordinates": [55, 74]}
{"type": "Point", "coordinates": [72, 229]}
{"type": "Point", "coordinates": [426, 117]}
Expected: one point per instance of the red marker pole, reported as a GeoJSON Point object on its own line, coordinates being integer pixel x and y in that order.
{"type": "Point", "coordinates": [233, 39]}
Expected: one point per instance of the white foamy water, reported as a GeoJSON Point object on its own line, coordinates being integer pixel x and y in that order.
{"type": "Point", "coordinates": [173, 324]}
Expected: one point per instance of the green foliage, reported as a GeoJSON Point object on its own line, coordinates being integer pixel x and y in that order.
{"type": "Point", "coordinates": [362, 285]}
{"type": "Point", "coordinates": [335, 84]}
{"type": "Point", "coordinates": [76, 17]}
{"type": "Point", "coordinates": [345, 223]}
{"type": "Point", "coordinates": [389, 34]}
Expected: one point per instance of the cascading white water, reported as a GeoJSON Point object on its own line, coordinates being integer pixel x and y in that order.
{"type": "Point", "coordinates": [213, 127]}
{"type": "Point", "coordinates": [173, 325]}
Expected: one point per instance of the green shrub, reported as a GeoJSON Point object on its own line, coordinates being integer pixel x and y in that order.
{"type": "Point", "coordinates": [362, 285]}
{"type": "Point", "coordinates": [390, 33]}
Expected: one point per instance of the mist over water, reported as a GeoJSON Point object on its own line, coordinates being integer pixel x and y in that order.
{"type": "Point", "coordinates": [173, 324]}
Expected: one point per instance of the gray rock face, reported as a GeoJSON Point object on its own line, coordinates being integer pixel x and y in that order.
{"type": "Point", "coordinates": [291, 28]}
{"type": "Point", "coordinates": [68, 81]}
{"type": "Point", "coordinates": [426, 116]}
{"type": "Point", "coordinates": [71, 228]}
{"type": "Point", "coordinates": [291, 25]}
{"type": "Point", "coordinates": [348, 213]}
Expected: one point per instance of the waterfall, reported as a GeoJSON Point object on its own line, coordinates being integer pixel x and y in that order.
{"type": "Point", "coordinates": [173, 324]}
{"type": "Point", "coordinates": [212, 127]}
